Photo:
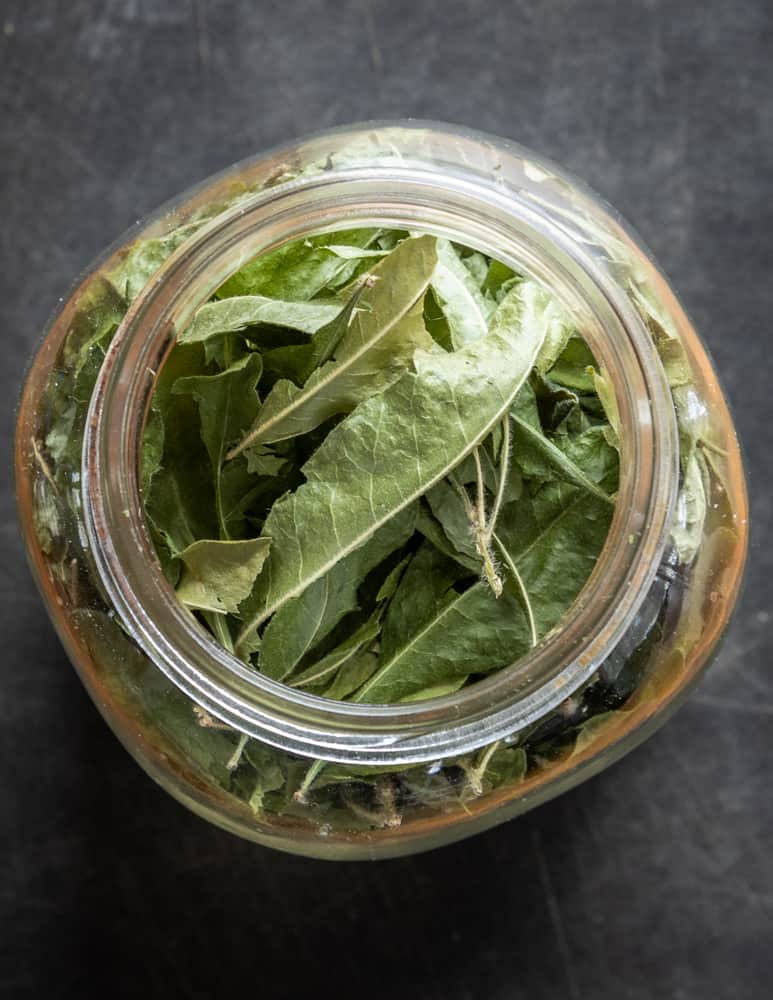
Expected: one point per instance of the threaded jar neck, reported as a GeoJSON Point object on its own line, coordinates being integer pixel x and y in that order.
{"type": "Point", "coordinates": [496, 198]}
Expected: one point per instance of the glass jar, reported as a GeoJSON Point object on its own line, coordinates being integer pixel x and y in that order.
{"type": "Point", "coordinates": [341, 780]}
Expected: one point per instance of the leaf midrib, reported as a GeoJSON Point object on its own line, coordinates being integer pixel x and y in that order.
{"type": "Point", "coordinates": [259, 618]}
{"type": "Point", "coordinates": [563, 460]}
{"type": "Point", "coordinates": [336, 371]}
{"type": "Point", "coordinates": [371, 682]}
{"type": "Point", "coordinates": [336, 664]}
{"type": "Point", "coordinates": [383, 671]}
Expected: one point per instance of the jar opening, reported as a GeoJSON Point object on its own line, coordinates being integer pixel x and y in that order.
{"type": "Point", "coordinates": [501, 223]}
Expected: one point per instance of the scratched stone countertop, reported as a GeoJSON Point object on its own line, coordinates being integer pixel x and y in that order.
{"type": "Point", "coordinates": [654, 879]}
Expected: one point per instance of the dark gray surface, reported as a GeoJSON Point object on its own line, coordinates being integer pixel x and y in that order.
{"type": "Point", "coordinates": [653, 880]}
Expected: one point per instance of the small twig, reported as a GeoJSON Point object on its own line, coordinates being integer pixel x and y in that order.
{"type": "Point", "coordinates": [235, 759]}
{"type": "Point", "coordinates": [386, 794]}
{"type": "Point", "coordinates": [301, 795]}
{"type": "Point", "coordinates": [45, 468]}
{"type": "Point", "coordinates": [710, 446]}
{"type": "Point", "coordinates": [206, 721]}
{"type": "Point", "coordinates": [521, 587]}
{"type": "Point", "coordinates": [477, 524]}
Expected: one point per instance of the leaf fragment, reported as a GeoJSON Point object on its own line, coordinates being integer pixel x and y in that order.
{"type": "Point", "coordinates": [218, 575]}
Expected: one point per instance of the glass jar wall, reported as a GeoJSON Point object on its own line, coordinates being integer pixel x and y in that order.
{"type": "Point", "coordinates": [341, 780]}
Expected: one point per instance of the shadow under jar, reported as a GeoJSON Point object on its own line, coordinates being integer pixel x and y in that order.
{"type": "Point", "coordinates": [344, 780]}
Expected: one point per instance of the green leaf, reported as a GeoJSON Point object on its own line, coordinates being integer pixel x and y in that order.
{"type": "Point", "coordinates": [558, 324]}
{"type": "Point", "coordinates": [495, 766]}
{"type": "Point", "coordinates": [180, 503]}
{"type": "Point", "coordinates": [465, 634]}
{"type": "Point", "coordinates": [435, 321]}
{"type": "Point", "coordinates": [299, 271]}
{"type": "Point", "coordinates": [475, 263]}
{"type": "Point", "coordinates": [178, 514]}
{"type": "Point", "coordinates": [606, 393]}
{"type": "Point", "coordinates": [218, 575]}
{"type": "Point", "coordinates": [497, 276]}
{"type": "Point", "coordinates": [227, 404]}
{"type": "Point", "coordinates": [324, 670]}
{"type": "Point", "coordinates": [328, 338]}
{"type": "Point", "coordinates": [47, 517]}
{"type": "Point", "coordinates": [152, 448]}
{"type": "Point", "coordinates": [391, 580]}
{"type": "Point", "coordinates": [268, 770]}
{"type": "Point", "coordinates": [466, 310]}
{"type": "Point", "coordinates": [554, 538]}
{"type": "Point", "coordinates": [354, 253]}
{"type": "Point", "coordinates": [306, 620]}
{"type": "Point", "coordinates": [60, 436]}
{"type": "Point", "coordinates": [241, 494]}
{"type": "Point", "coordinates": [452, 514]}
{"type": "Point", "coordinates": [434, 532]}
{"type": "Point", "coordinates": [574, 368]}
{"type": "Point", "coordinates": [196, 748]}
{"type": "Point", "coordinates": [100, 312]}
{"type": "Point", "coordinates": [590, 451]}
{"type": "Point", "coordinates": [262, 460]}
{"type": "Point", "coordinates": [145, 257]}
{"type": "Point", "coordinates": [288, 362]}
{"type": "Point", "coordinates": [385, 330]}
{"type": "Point", "coordinates": [352, 675]}
{"type": "Point", "coordinates": [593, 729]}
{"type": "Point", "coordinates": [425, 621]}
{"type": "Point", "coordinates": [667, 343]}
{"type": "Point", "coordinates": [388, 452]}
{"type": "Point", "coordinates": [425, 585]}
{"type": "Point", "coordinates": [437, 691]}
{"type": "Point", "coordinates": [538, 456]}
{"type": "Point", "coordinates": [232, 315]}
{"type": "Point", "coordinates": [455, 507]}
{"type": "Point", "coordinates": [555, 404]}
{"type": "Point", "coordinates": [508, 765]}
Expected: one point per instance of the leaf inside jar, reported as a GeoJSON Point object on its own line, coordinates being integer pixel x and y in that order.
{"type": "Point", "coordinates": [430, 477]}
{"type": "Point", "coordinates": [398, 470]}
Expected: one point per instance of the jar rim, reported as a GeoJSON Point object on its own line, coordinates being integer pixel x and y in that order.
{"type": "Point", "coordinates": [482, 190]}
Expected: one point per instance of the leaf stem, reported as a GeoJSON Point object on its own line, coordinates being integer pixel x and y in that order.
{"type": "Point", "coordinates": [45, 468]}
{"type": "Point", "coordinates": [300, 795]}
{"type": "Point", "coordinates": [475, 772]}
{"type": "Point", "coordinates": [481, 486]}
{"type": "Point", "coordinates": [710, 446]}
{"type": "Point", "coordinates": [480, 532]}
{"type": "Point", "coordinates": [524, 595]}
{"type": "Point", "coordinates": [207, 721]}
{"type": "Point", "coordinates": [504, 469]}
{"type": "Point", "coordinates": [235, 759]}
{"type": "Point", "coordinates": [220, 628]}
{"type": "Point", "coordinates": [386, 818]}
